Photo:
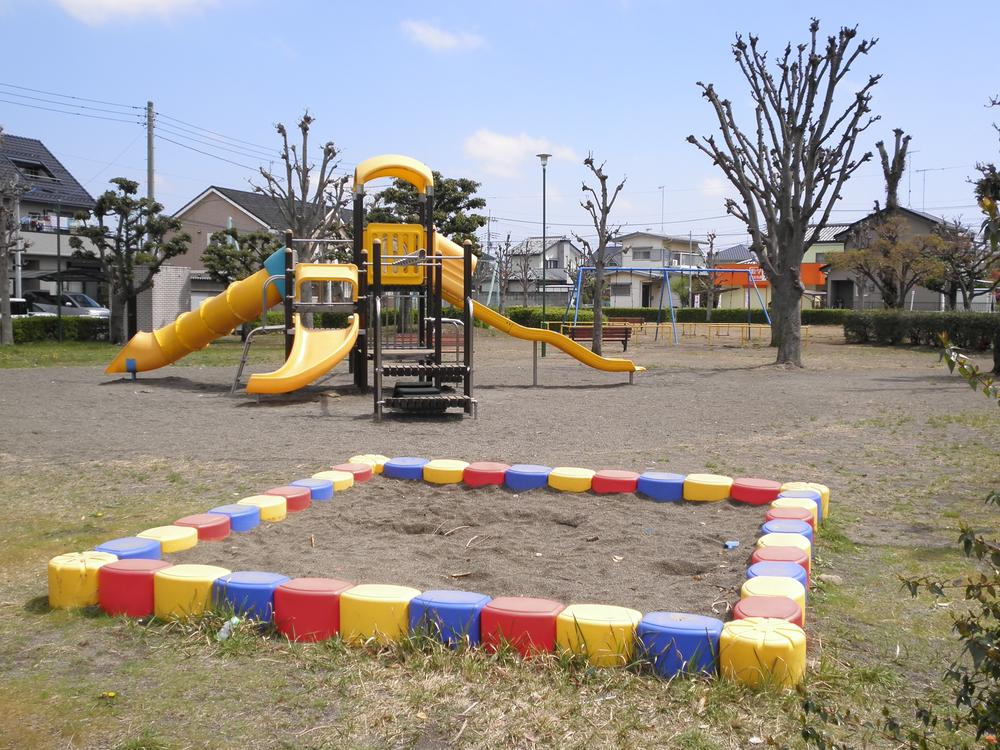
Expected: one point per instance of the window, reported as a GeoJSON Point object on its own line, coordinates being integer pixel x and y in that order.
{"type": "Point", "coordinates": [621, 290]}
{"type": "Point", "coordinates": [552, 263]}
{"type": "Point", "coordinates": [821, 257]}
{"type": "Point", "coordinates": [644, 253]}
{"type": "Point", "coordinates": [33, 169]}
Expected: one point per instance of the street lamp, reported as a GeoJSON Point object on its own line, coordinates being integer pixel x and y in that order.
{"type": "Point", "coordinates": [545, 162]}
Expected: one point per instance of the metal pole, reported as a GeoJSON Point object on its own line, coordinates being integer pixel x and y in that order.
{"type": "Point", "coordinates": [545, 162]}
{"type": "Point", "coordinates": [289, 295]}
{"type": "Point", "coordinates": [467, 321]}
{"type": "Point", "coordinates": [673, 315]}
{"type": "Point", "coordinates": [664, 281]}
{"type": "Point", "coordinates": [59, 287]}
{"type": "Point", "coordinates": [579, 293]}
{"type": "Point", "coordinates": [534, 363]}
{"type": "Point", "coordinates": [360, 351]}
{"type": "Point", "coordinates": [150, 131]}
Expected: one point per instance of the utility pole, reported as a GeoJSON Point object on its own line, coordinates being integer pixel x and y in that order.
{"type": "Point", "coordinates": [661, 187]}
{"type": "Point", "coordinates": [150, 193]}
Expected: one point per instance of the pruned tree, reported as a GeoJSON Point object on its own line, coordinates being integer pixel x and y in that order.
{"type": "Point", "coordinates": [892, 258]}
{"type": "Point", "coordinates": [969, 265]}
{"type": "Point", "coordinates": [504, 261]}
{"type": "Point", "coordinates": [521, 267]}
{"type": "Point", "coordinates": [790, 166]}
{"type": "Point", "coordinates": [894, 168]}
{"type": "Point", "coordinates": [988, 195]}
{"type": "Point", "coordinates": [12, 187]}
{"type": "Point", "coordinates": [598, 205]}
{"type": "Point", "coordinates": [132, 239]}
{"type": "Point", "coordinates": [710, 285]}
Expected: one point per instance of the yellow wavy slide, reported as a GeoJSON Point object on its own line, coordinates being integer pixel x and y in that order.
{"type": "Point", "coordinates": [453, 284]}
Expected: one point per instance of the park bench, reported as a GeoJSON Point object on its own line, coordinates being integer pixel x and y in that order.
{"type": "Point", "coordinates": [608, 333]}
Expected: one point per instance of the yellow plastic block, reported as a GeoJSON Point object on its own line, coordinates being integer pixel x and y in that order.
{"type": "Point", "coordinates": [73, 578]}
{"type": "Point", "coordinates": [822, 489]}
{"type": "Point", "coordinates": [272, 507]}
{"type": "Point", "coordinates": [606, 634]}
{"type": "Point", "coordinates": [342, 480]}
{"type": "Point", "coordinates": [786, 540]}
{"type": "Point", "coordinates": [570, 479]}
{"type": "Point", "coordinates": [375, 460]}
{"type": "Point", "coordinates": [762, 650]}
{"type": "Point", "coordinates": [707, 487]}
{"type": "Point", "coordinates": [444, 471]}
{"type": "Point", "coordinates": [798, 502]}
{"type": "Point", "coordinates": [172, 538]}
{"type": "Point", "coordinates": [376, 611]}
{"type": "Point", "coordinates": [776, 586]}
{"type": "Point", "coordinates": [184, 590]}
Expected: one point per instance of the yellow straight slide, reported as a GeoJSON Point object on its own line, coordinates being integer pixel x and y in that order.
{"type": "Point", "coordinates": [314, 353]}
{"type": "Point", "coordinates": [453, 286]}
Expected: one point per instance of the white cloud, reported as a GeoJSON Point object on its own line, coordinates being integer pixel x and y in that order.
{"type": "Point", "coordinates": [713, 187]}
{"type": "Point", "coordinates": [437, 39]}
{"type": "Point", "coordinates": [97, 12]}
{"type": "Point", "coordinates": [503, 155]}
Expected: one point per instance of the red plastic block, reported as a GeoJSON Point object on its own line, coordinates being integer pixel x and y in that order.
{"type": "Point", "coordinates": [779, 607]}
{"type": "Point", "coordinates": [211, 526]}
{"type": "Point", "coordinates": [484, 473]}
{"type": "Point", "coordinates": [783, 554]}
{"type": "Point", "coordinates": [791, 514]}
{"type": "Point", "coordinates": [612, 480]}
{"type": "Point", "coordinates": [361, 472]}
{"type": "Point", "coordinates": [529, 625]}
{"type": "Point", "coordinates": [308, 609]}
{"type": "Point", "coordinates": [754, 491]}
{"type": "Point", "coordinates": [296, 498]}
{"type": "Point", "coordinates": [125, 587]}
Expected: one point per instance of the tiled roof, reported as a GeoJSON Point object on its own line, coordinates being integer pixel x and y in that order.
{"type": "Point", "coordinates": [734, 254]}
{"type": "Point", "coordinates": [54, 185]}
{"type": "Point", "coordinates": [261, 206]}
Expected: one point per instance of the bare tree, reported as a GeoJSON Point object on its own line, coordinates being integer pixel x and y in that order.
{"type": "Point", "coordinates": [521, 267]}
{"type": "Point", "coordinates": [894, 168]}
{"type": "Point", "coordinates": [599, 206]}
{"type": "Point", "coordinates": [790, 168]}
{"type": "Point", "coordinates": [504, 271]}
{"type": "Point", "coordinates": [969, 264]}
{"type": "Point", "coordinates": [11, 189]}
{"type": "Point", "coordinates": [711, 285]}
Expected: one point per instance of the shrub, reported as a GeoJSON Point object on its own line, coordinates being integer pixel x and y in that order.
{"type": "Point", "coordinates": [47, 329]}
{"type": "Point", "coordinates": [966, 330]}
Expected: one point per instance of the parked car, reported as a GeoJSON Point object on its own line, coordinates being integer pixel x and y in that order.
{"type": "Point", "coordinates": [21, 308]}
{"type": "Point", "coordinates": [72, 303]}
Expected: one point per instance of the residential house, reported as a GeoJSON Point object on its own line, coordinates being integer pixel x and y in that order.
{"type": "Point", "coordinates": [561, 259]}
{"type": "Point", "coordinates": [844, 289]}
{"type": "Point", "coordinates": [47, 212]}
{"type": "Point", "coordinates": [653, 251]}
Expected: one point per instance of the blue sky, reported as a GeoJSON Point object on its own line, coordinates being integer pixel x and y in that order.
{"type": "Point", "coordinates": [476, 89]}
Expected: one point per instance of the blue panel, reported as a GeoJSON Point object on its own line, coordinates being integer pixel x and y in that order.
{"type": "Point", "coordinates": [451, 616]}
{"type": "Point", "coordinates": [678, 643]}
{"type": "Point", "coordinates": [250, 593]}
{"type": "Point", "coordinates": [807, 495]}
{"type": "Point", "coordinates": [241, 517]}
{"type": "Point", "coordinates": [275, 265]}
{"type": "Point", "coordinates": [521, 477]}
{"type": "Point", "coordinates": [319, 489]}
{"type": "Point", "coordinates": [788, 526]}
{"type": "Point", "coordinates": [132, 547]}
{"type": "Point", "coordinates": [779, 569]}
{"type": "Point", "coordinates": [661, 486]}
{"type": "Point", "coordinates": [406, 467]}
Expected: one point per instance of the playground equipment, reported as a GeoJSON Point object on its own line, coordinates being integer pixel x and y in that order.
{"type": "Point", "coordinates": [408, 269]}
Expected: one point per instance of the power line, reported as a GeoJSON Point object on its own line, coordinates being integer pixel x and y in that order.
{"type": "Point", "coordinates": [70, 96]}
{"type": "Point", "coordinates": [78, 114]}
{"type": "Point", "coordinates": [238, 152]}
{"type": "Point", "coordinates": [232, 142]}
{"type": "Point", "coordinates": [65, 104]}
{"type": "Point", "coordinates": [213, 132]}
{"type": "Point", "coordinates": [623, 224]}
{"type": "Point", "coordinates": [206, 153]}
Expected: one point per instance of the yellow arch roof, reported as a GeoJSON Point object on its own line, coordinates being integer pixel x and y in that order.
{"type": "Point", "coordinates": [394, 165]}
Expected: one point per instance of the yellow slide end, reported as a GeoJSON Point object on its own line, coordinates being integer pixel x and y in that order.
{"type": "Point", "coordinates": [314, 353]}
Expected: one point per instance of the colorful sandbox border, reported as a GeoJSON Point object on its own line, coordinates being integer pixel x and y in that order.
{"type": "Point", "coordinates": [764, 641]}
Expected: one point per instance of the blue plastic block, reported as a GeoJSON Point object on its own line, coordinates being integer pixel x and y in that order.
{"type": "Point", "coordinates": [241, 517]}
{"type": "Point", "coordinates": [450, 616]}
{"type": "Point", "coordinates": [132, 547]}
{"type": "Point", "coordinates": [319, 489]}
{"type": "Point", "coordinates": [678, 643]}
{"type": "Point", "coordinates": [780, 569]}
{"type": "Point", "coordinates": [807, 495]}
{"type": "Point", "coordinates": [661, 486]}
{"type": "Point", "coordinates": [406, 467]}
{"type": "Point", "coordinates": [275, 265]}
{"type": "Point", "coordinates": [522, 477]}
{"type": "Point", "coordinates": [249, 592]}
{"type": "Point", "coordinates": [787, 526]}
{"type": "Point", "coordinates": [130, 365]}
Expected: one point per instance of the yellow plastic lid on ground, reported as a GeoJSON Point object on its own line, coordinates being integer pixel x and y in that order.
{"type": "Point", "coordinates": [604, 633]}
{"type": "Point", "coordinates": [342, 480]}
{"type": "Point", "coordinates": [172, 538]}
{"type": "Point", "coordinates": [786, 540]}
{"type": "Point", "coordinates": [798, 502]}
{"type": "Point", "coordinates": [184, 590]}
{"type": "Point", "coordinates": [376, 611]}
{"type": "Point", "coordinates": [73, 578]}
{"type": "Point", "coordinates": [273, 508]}
{"type": "Point", "coordinates": [444, 471]}
{"type": "Point", "coordinates": [707, 487]}
{"type": "Point", "coordinates": [776, 586]}
{"type": "Point", "coordinates": [760, 650]}
{"type": "Point", "coordinates": [822, 489]}
{"type": "Point", "coordinates": [571, 479]}
{"type": "Point", "coordinates": [375, 460]}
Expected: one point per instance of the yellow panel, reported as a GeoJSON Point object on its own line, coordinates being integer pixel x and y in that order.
{"type": "Point", "coordinates": [172, 538]}
{"type": "Point", "coordinates": [398, 166]}
{"type": "Point", "coordinates": [760, 650]}
{"type": "Point", "coordinates": [444, 471]}
{"type": "Point", "coordinates": [776, 586]}
{"type": "Point", "coordinates": [707, 487]}
{"type": "Point", "coordinates": [798, 502]}
{"type": "Point", "coordinates": [184, 590]}
{"type": "Point", "coordinates": [342, 480]}
{"type": "Point", "coordinates": [272, 507]}
{"type": "Point", "coordinates": [73, 578]}
{"type": "Point", "coordinates": [786, 540]}
{"type": "Point", "coordinates": [376, 611]}
{"type": "Point", "coordinates": [375, 460]}
{"type": "Point", "coordinates": [398, 241]}
{"type": "Point", "coordinates": [570, 479]}
{"type": "Point", "coordinates": [319, 273]}
{"type": "Point", "coordinates": [822, 489]}
{"type": "Point", "coordinates": [605, 634]}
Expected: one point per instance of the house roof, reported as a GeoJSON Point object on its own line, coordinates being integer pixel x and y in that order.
{"type": "Point", "coordinates": [533, 245]}
{"type": "Point", "coordinates": [929, 218]}
{"type": "Point", "coordinates": [660, 236]}
{"type": "Point", "coordinates": [735, 254]}
{"type": "Point", "coordinates": [830, 231]}
{"type": "Point", "coordinates": [53, 186]}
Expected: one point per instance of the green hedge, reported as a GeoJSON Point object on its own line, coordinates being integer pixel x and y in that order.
{"type": "Point", "coordinates": [46, 329]}
{"type": "Point", "coordinates": [532, 316]}
{"type": "Point", "coordinates": [967, 330]}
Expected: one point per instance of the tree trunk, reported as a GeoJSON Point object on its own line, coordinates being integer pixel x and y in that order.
{"type": "Point", "coordinates": [598, 307]}
{"type": "Point", "coordinates": [132, 323]}
{"type": "Point", "coordinates": [6, 323]}
{"type": "Point", "coordinates": [117, 330]}
{"type": "Point", "coordinates": [786, 321]}
{"type": "Point", "coordinates": [710, 299]}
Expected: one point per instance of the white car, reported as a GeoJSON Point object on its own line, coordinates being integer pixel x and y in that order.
{"type": "Point", "coordinates": [21, 308]}
{"type": "Point", "coordinates": [73, 303]}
